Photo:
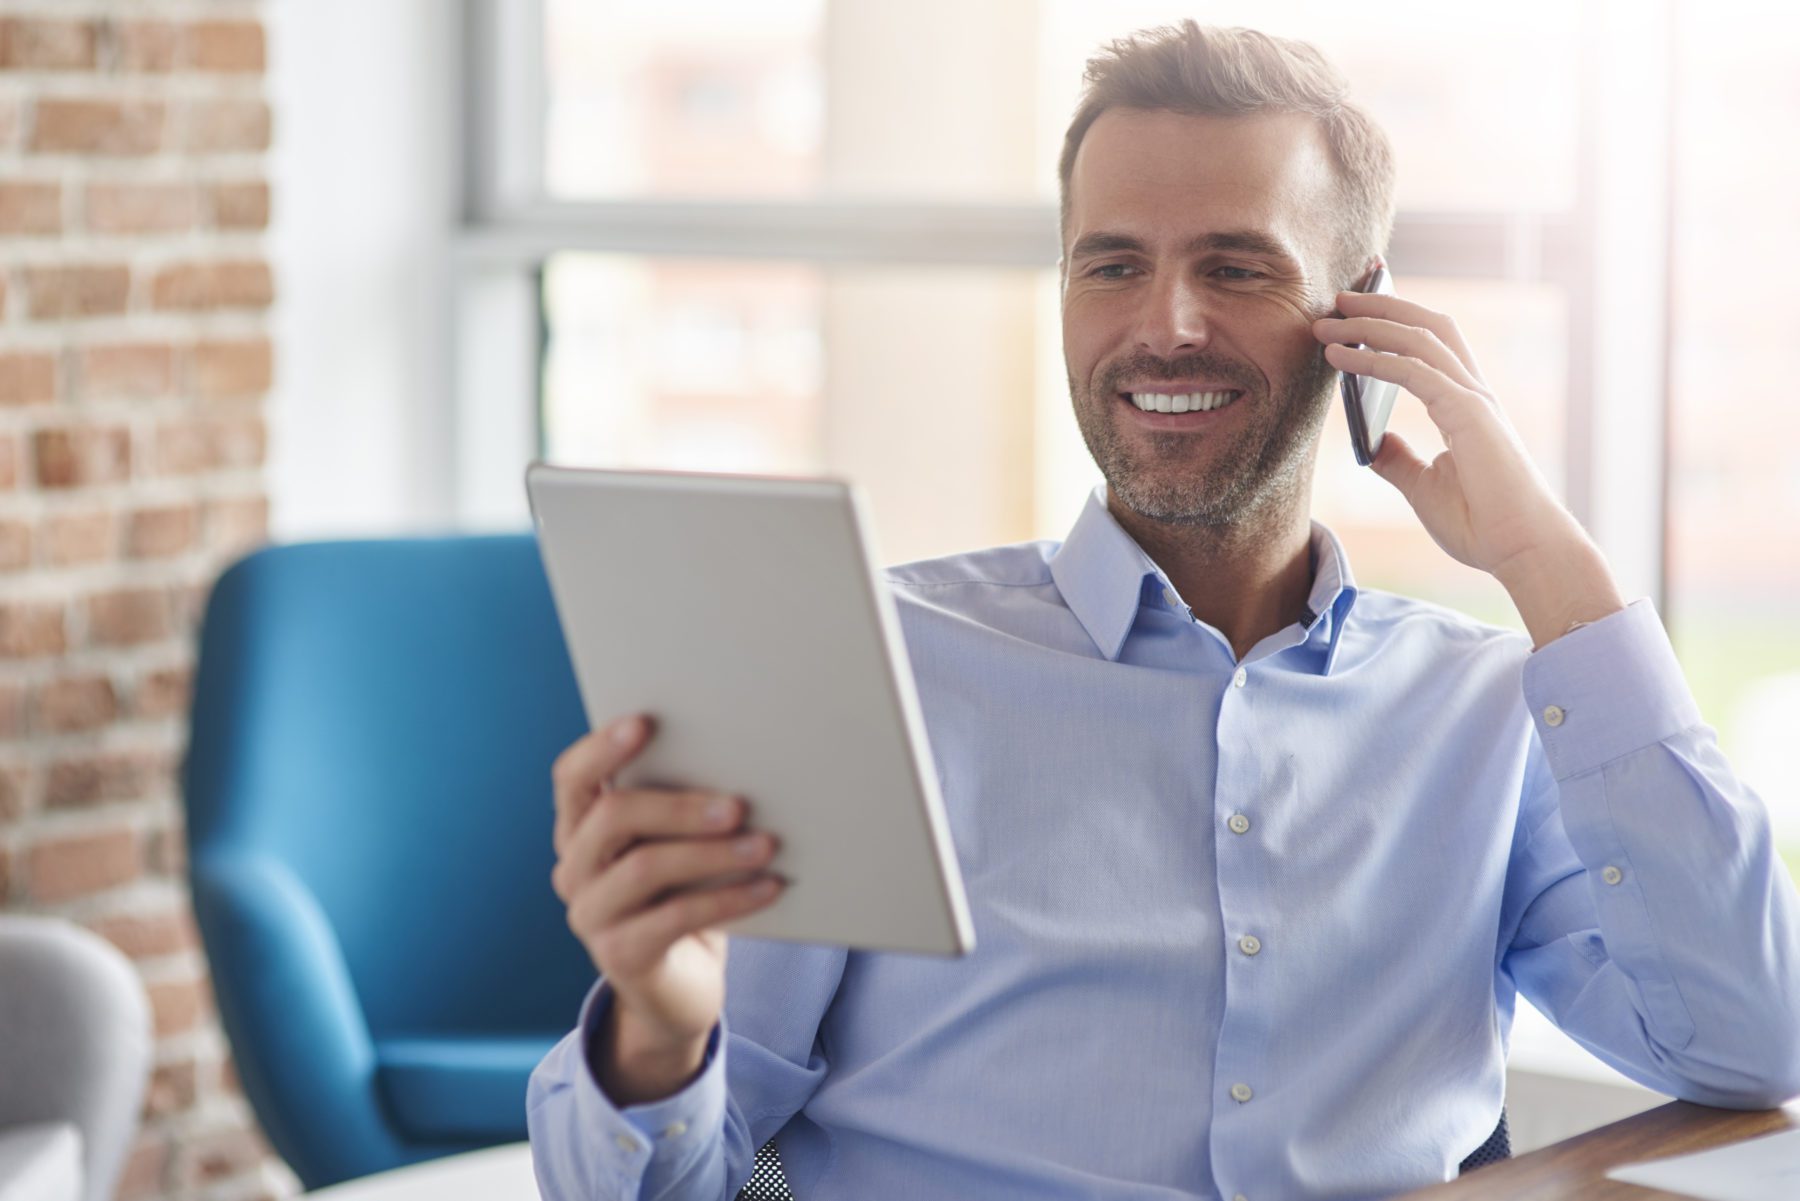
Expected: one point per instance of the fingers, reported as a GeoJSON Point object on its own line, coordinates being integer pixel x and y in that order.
{"type": "Point", "coordinates": [1393, 337]}
{"type": "Point", "coordinates": [651, 870]}
{"type": "Point", "coordinates": [637, 943]}
{"type": "Point", "coordinates": [623, 819]}
{"type": "Point", "coordinates": [1399, 464]}
{"type": "Point", "coordinates": [581, 772]}
{"type": "Point", "coordinates": [1406, 312]}
{"type": "Point", "coordinates": [1453, 407]}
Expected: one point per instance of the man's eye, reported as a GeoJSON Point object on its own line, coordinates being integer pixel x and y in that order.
{"type": "Point", "coordinates": [1100, 271]}
{"type": "Point", "coordinates": [1238, 273]}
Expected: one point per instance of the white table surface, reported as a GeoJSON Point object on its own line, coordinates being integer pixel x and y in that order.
{"type": "Point", "coordinates": [496, 1174]}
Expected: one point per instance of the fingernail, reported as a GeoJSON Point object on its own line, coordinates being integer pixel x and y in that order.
{"type": "Point", "coordinates": [627, 730]}
{"type": "Point", "coordinates": [721, 811]}
{"type": "Point", "coordinates": [748, 847]}
{"type": "Point", "coordinates": [764, 888]}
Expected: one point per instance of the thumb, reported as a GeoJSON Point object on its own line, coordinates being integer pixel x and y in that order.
{"type": "Point", "coordinates": [1398, 464]}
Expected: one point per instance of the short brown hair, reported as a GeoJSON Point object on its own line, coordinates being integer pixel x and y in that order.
{"type": "Point", "coordinates": [1215, 72]}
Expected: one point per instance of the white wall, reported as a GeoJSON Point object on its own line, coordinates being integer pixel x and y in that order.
{"type": "Point", "coordinates": [364, 198]}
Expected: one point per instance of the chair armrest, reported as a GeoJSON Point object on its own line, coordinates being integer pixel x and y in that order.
{"type": "Point", "coordinates": [289, 1007]}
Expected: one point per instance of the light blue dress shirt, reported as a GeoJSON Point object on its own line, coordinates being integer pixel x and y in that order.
{"type": "Point", "coordinates": [1244, 929]}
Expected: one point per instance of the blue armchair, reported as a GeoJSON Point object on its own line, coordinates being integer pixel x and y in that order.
{"type": "Point", "coordinates": [369, 819]}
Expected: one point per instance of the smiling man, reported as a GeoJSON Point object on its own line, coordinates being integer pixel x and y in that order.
{"type": "Point", "coordinates": [1258, 861]}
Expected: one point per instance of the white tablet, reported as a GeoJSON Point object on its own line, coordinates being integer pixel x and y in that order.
{"type": "Point", "coordinates": [746, 615]}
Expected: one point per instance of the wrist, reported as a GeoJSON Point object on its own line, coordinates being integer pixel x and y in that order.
{"type": "Point", "coordinates": [1559, 591]}
{"type": "Point", "coordinates": [635, 1063]}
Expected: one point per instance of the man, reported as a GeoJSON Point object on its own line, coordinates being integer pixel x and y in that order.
{"type": "Point", "coordinates": [1257, 860]}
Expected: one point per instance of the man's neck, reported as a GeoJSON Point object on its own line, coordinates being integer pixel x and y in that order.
{"type": "Point", "coordinates": [1246, 580]}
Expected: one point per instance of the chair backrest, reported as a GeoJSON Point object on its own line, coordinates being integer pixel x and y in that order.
{"type": "Point", "coordinates": [380, 717]}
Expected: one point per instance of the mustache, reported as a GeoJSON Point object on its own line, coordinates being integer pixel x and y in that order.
{"type": "Point", "coordinates": [1150, 369]}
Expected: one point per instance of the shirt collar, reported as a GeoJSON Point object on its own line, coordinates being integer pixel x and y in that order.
{"type": "Point", "coordinates": [1104, 576]}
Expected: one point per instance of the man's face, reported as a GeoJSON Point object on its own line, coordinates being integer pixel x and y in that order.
{"type": "Point", "coordinates": [1195, 260]}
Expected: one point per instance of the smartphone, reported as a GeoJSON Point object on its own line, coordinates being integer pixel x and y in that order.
{"type": "Point", "coordinates": [1369, 402]}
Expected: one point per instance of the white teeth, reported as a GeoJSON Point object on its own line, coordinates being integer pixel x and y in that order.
{"type": "Point", "coordinates": [1192, 402]}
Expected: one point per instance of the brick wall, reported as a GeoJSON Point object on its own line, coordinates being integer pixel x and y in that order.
{"type": "Point", "coordinates": [134, 362]}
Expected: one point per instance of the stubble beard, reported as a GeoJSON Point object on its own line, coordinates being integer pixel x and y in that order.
{"type": "Point", "coordinates": [1263, 469]}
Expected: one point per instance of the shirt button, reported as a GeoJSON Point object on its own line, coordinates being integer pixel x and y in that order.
{"type": "Point", "coordinates": [1240, 678]}
{"type": "Point", "coordinates": [1241, 1093]}
{"type": "Point", "coordinates": [1240, 1197]}
{"type": "Point", "coordinates": [1611, 874]}
{"type": "Point", "coordinates": [674, 1130]}
{"type": "Point", "coordinates": [1249, 944]}
{"type": "Point", "coordinates": [1171, 600]}
{"type": "Point", "coordinates": [1553, 716]}
{"type": "Point", "coordinates": [626, 1143]}
{"type": "Point", "coordinates": [1238, 823]}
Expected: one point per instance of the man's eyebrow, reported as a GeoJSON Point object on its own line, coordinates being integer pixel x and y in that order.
{"type": "Point", "coordinates": [1249, 241]}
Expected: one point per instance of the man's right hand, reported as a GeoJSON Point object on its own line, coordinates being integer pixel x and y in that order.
{"type": "Point", "coordinates": [633, 867]}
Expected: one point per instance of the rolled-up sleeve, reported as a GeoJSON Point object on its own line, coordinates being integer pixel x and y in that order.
{"type": "Point", "coordinates": [1652, 918]}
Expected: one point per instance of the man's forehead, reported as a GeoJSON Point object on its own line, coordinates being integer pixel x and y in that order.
{"type": "Point", "coordinates": [1174, 175]}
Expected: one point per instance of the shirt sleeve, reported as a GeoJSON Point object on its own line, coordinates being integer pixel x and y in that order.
{"type": "Point", "coordinates": [762, 1064]}
{"type": "Point", "coordinates": [1649, 915]}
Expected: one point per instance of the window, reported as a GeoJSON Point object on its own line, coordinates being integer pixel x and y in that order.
{"type": "Point", "coordinates": [823, 238]}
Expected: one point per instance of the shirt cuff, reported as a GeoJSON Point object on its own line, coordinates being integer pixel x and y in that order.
{"type": "Point", "coordinates": [1606, 690]}
{"type": "Point", "coordinates": [657, 1140]}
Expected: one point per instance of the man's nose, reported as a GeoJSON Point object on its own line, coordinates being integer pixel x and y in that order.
{"type": "Point", "coordinates": [1176, 318]}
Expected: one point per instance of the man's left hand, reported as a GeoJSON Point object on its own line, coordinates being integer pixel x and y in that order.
{"type": "Point", "coordinates": [1482, 499]}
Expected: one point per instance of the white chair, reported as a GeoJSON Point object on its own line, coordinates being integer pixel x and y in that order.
{"type": "Point", "coordinates": [75, 1050]}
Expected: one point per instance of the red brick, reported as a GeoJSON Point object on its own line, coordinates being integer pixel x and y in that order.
{"type": "Point", "coordinates": [173, 1089]}
{"type": "Point", "coordinates": [163, 692]}
{"type": "Point", "coordinates": [176, 1005]}
{"type": "Point", "coordinates": [227, 370]}
{"type": "Point", "coordinates": [15, 545]}
{"type": "Point", "coordinates": [185, 447]}
{"type": "Point", "coordinates": [241, 205]}
{"type": "Point", "coordinates": [149, 46]}
{"type": "Point", "coordinates": [63, 869]}
{"type": "Point", "coordinates": [168, 853]}
{"type": "Point", "coordinates": [14, 784]}
{"type": "Point", "coordinates": [64, 126]}
{"type": "Point", "coordinates": [31, 629]}
{"type": "Point", "coordinates": [160, 532]}
{"type": "Point", "coordinates": [115, 776]}
{"type": "Point", "coordinates": [235, 526]}
{"type": "Point", "coordinates": [142, 1177]}
{"type": "Point", "coordinates": [75, 703]}
{"type": "Point", "coordinates": [12, 711]}
{"type": "Point", "coordinates": [30, 208]}
{"type": "Point", "coordinates": [225, 46]}
{"type": "Point", "coordinates": [73, 457]}
{"type": "Point", "coordinates": [244, 283]}
{"type": "Point", "coordinates": [140, 208]}
{"type": "Point", "coordinates": [215, 1155]}
{"type": "Point", "coordinates": [128, 616]}
{"type": "Point", "coordinates": [79, 537]}
{"type": "Point", "coordinates": [149, 935]}
{"type": "Point", "coordinates": [9, 123]}
{"type": "Point", "coordinates": [9, 461]}
{"type": "Point", "coordinates": [84, 290]}
{"type": "Point", "coordinates": [43, 44]}
{"type": "Point", "coordinates": [27, 377]}
{"type": "Point", "coordinates": [126, 369]}
{"type": "Point", "coordinates": [215, 126]}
